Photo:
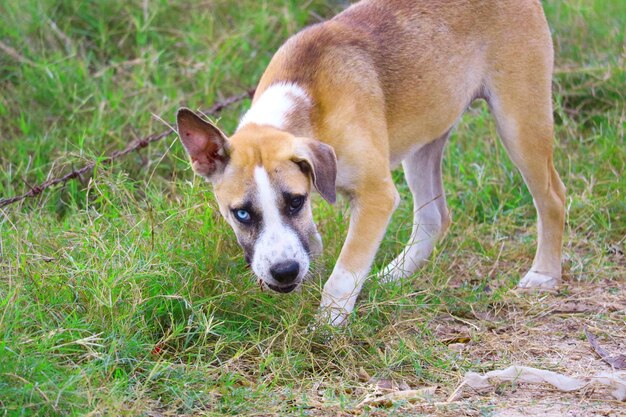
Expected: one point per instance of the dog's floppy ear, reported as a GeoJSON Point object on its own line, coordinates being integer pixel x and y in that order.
{"type": "Point", "coordinates": [319, 159]}
{"type": "Point", "coordinates": [204, 142]}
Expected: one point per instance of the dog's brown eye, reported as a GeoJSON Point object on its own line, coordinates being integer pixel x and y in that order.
{"type": "Point", "coordinates": [295, 204]}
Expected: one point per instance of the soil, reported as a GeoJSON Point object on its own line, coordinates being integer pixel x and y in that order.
{"type": "Point", "coordinates": [545, 331]}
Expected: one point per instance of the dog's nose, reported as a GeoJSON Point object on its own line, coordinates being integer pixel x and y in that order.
{"type": "Point", "coordinates": [285, 272]}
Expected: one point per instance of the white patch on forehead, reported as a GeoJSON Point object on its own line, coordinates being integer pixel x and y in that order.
{"type": "Point", "coordinates": [276, 243]}
{"type": "Point", "coordinates": [267, 197]}
{"type": "Point", "coordinates": [274, 105]}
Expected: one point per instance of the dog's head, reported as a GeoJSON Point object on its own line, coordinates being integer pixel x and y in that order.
{"type": "Point", "coordinates": [262, 179]}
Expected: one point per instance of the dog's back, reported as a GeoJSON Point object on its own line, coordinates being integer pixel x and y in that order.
{"type": "Point", "coordinates": [421, 61]}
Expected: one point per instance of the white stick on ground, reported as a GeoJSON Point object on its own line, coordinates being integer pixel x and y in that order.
{"type": "Point", "coordinates": [615, 380]}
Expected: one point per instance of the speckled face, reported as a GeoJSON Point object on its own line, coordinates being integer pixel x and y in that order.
{"type": "Point", "coordinates": [262, 179]}
{"type": "Point", "coordinates": [264, 193]}
{"type": "Point", "coordinates": [268, 206]}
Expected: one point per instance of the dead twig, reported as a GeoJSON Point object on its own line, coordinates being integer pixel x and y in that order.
{"type": "Point", "coordinates": [15, 55]}
{"type": "Point", "coordinates": [616, 361]}
{"type": "Point", "coordinates": [135, 145]}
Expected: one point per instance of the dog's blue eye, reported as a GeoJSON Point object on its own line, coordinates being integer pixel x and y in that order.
{"type": "Point", "coordinates": [243, 216]}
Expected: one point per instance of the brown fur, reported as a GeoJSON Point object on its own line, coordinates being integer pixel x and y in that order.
{"type": "Point", "coordinates": [386, 78]}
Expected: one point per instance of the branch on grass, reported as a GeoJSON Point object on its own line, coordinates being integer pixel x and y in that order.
{"type": "Point", "coordinates": [135, 145]}
{"type": "Point", "coordinates": [15, 55]}
{"type": "Point", "coordinates": [616, 361]}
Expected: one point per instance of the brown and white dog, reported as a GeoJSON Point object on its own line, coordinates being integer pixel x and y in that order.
{"type": "Point", "coordinates": [344, 102]}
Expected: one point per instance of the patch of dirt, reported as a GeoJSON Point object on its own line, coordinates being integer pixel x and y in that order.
{"type": "Point", "coordinates": [529, 407]}
{"type": "Point", "coordinates": [547, 331]}
{"type": "Point", "coordinates": [542, 330]}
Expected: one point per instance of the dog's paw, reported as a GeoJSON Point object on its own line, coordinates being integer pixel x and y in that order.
{"type": "Point", "coordinates": [392, 273]}
{"type": "Point", "coordinates": [333, 316]}
{"type": "Point", "coordinates": [388, 275]}
{"type": "Point", "coordinates": [322, 328]}
{"type": "Point", "coordinates": [535, 280]}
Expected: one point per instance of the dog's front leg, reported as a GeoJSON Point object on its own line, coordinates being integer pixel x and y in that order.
{"type": "Point", "coordinates": [370, 210]}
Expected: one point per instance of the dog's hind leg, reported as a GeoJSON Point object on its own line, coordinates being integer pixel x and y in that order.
{"type": "Point", "coordinates": [422, 170]}
{"type": "Point", "coordinates": [520, 99]}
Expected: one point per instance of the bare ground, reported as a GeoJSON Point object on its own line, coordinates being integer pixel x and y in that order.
{"type": "Point", "coordinates": [545, 331]}
{"type": "Point", "coordinates": [548, 333]}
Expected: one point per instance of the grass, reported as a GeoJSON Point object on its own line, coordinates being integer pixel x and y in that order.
{"type": "Point", "coordinates": [124, 293]}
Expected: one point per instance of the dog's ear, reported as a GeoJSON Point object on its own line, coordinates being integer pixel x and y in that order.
{"type": "Point", "coordinates": [319, 160]}
{"type": "Point", "coordinates": [205, 144]}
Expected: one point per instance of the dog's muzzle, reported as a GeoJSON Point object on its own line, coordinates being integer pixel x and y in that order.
{"type": "Point", "coordinates": [286, 275]}
{"type": "Point", "coordinates": [285, 272]}
{"type": "Point", "coordinates": [283, 290]}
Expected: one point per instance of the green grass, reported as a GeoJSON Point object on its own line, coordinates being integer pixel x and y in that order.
{"type": "Point", "coordinates": [125, 293]}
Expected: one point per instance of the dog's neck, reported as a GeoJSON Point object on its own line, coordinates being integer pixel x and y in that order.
{"type": "Point", "coordinates": [285, 106]}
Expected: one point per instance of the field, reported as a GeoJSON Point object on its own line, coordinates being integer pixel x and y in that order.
{"type": "Point", "coordinates": [124, 293]}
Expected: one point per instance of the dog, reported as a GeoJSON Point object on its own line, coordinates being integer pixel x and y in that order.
{"type": "Point", "coordinates": [345, 101]}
